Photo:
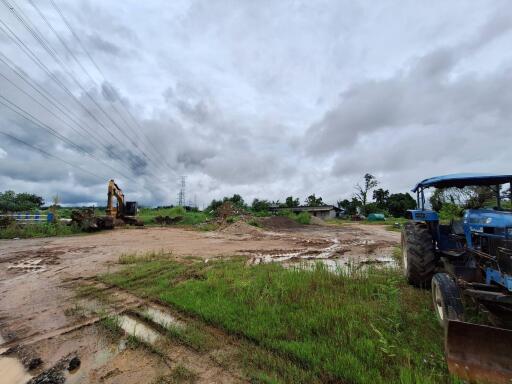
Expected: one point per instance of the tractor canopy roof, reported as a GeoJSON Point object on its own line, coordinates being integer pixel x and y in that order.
{"type": "Point", "coordinates": [462, 180]}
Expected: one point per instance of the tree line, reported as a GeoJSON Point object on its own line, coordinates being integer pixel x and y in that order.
{"type": "Point", "coordinates": [11, 201]}
{"type": "Point", "coordinates": [365, 200]}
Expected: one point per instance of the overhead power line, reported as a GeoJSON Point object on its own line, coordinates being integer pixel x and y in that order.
{"type": "Point", "coordinates": [91, 134]}
{"type": "Point", "coordinates": [40, 150]}
{"type": "Point", "coordinates": [13, 37]}
{"type": "Point", "coordinates": [34, 31]}
{"type": "Point", "coordinates": [29, 117]}
{"type": "Point", "coordinates": [77, 38]}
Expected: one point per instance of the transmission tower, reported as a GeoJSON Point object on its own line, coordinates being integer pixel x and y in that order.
{"type": "Point", "coordinates": [181, 193]}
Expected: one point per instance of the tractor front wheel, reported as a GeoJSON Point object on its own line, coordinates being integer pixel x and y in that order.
{"type": "Point", "coordinates": [418, 255]}
{"type": "Point", "coordinates": [447, 299]}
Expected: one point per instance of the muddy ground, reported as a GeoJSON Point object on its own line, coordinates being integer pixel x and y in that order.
{"type": "Point", "coordinates": [43, 324]}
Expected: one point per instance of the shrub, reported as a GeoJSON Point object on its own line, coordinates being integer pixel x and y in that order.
{"type": "Point", "coordinates": [303, 218]}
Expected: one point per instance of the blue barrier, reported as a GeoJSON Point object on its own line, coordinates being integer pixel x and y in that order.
{"type": "Point", "coordinates": [29, 218]}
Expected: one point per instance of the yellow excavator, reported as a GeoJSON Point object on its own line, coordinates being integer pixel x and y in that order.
{"type": "Point", "coordinates": [123, 212]}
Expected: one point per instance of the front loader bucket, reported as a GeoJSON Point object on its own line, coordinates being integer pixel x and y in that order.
{"type": "Point", "coordinates": [479, 353]}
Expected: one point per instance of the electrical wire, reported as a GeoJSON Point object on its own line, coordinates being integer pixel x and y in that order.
{"type": "Point", "coordinates": [77, 38]}
{"type": "Point", "coordinates": [12, 137]}
{"type": "Point", "coordinates": [48, 48]}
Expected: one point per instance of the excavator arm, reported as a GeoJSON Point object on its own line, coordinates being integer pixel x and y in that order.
{"type": "Point", "coordinates": [114, 191]}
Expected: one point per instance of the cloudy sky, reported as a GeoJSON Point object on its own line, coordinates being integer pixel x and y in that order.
{"type": "Point", "coordinates": [263, 98]}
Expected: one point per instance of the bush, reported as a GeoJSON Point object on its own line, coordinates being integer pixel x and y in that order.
{"type": "Point", "coordinates": [38, 230]}
{"type": "Point", "coordinates": [303, 218]}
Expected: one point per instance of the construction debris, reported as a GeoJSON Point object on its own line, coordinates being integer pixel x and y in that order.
{"type": "Point", "coordinates": [88, 221]}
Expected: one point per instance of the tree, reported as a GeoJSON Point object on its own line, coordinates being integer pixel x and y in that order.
{"type": "Point", "coordinates": [236, 200]}
{"type": "Point", "coordinates": [381, 197]}
{"type": "Point", "coordinates": [11, 202]}
{"type": "Point", "coordinates": [361, 193]}
{"type": "Point", "coordinates": [260, 205]}
{"type": "Point", "coordinates": [349, 206]}
{"type": "Point", "coordinates": [291, 202]}
{"type": "Point", "coordinates": [313, 201]}
{"type": "Point", "coordinates": [399, 203]}
{"type": "Point", "coordinates": [470, 197]}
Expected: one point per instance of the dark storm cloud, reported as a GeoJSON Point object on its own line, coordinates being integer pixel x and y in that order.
{"type": "Point", "coordinates": [285, 98]}
{"type": "Point", "coordinates": [427, 93]}
{"type": "Point", "coordinates": [99, 43]}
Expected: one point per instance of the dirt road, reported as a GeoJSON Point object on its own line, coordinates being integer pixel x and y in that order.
{"type": "Point", "coordinates": [39, 278]}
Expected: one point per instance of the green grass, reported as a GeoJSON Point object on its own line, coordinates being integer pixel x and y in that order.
{"type": "Point", "coordinates": [147, 215]}
{"type": "Point", "coordinates": [366, 327]}
{"type": "Point", "coordinates": [132, 258]}
{"type": "Point", "coordinates": [37, 230]}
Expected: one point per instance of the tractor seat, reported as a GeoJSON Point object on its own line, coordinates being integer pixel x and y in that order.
{"type": "Point", "coordinates": [457, 227]}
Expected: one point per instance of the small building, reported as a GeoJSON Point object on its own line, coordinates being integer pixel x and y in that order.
{"type": "Point", "coordinates": [323, 212]}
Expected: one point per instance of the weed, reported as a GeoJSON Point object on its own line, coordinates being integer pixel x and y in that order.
{"type": "Point", "coordinates": [182, 374]}
{"type": "Point", "coordinates": [37, 230]}
{"type": "Point", "coordinates": [358, 328]}
{"type": "Point", "coordinates": [134, 258]}
{"type": "Point", "coordinates": [179, 375]}
{"type": "Point", "coordinates": [254, 222]}
{"type": "Point", "coordinates": [112, 325]}
{"type": "Point", "coordinates": [303, 218]}
{"type": "Point", "coordinates": [192, 336]}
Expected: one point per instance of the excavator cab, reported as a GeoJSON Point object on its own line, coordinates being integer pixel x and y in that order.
{"type": "Point", "coordinates": [123, 211]}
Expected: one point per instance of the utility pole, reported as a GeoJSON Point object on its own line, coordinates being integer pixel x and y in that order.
{"type": "Point", "coordinates": [181, 193]}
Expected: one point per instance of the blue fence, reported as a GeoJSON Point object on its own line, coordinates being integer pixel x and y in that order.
{"type": "Point", "coordinates": [30, 218]}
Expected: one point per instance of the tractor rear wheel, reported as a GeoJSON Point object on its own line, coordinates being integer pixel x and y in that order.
{"type": "Point", "coordinates": [447, 299]}
{"type": "Point", "coordinates": [418, 255]}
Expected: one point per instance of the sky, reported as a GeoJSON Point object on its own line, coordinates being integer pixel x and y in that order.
{"type": "Point", "coordinates": [266, 99]}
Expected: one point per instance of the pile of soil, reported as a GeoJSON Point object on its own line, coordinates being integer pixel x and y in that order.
{"type": "Point", "coordinates": [241, 228]}
{"type": "Point", "coordinates": [228, 209]}
{"type": "Point", "coordinates": [317, 221]}
{"type": "Point", "coordinates": [279, 222]}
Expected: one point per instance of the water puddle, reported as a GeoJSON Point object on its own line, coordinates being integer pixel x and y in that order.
{"type": "Point", "coordinates": [345, 265]}
{"type": "Point", "coordinates": [99, 359]}
{"type": "Point", "coordinates": [138, 329]}
{"type": "Point", "coordinates": [345, 256]}
{"type": "Point", "coordinates": [12, 371]}
{"type": "Point", "coordinates": [304, 254]}
{"type": "Point", "coordinates": [160, 317]}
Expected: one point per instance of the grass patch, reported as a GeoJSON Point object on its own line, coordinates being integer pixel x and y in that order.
{"type": "Point", "coordinates": [133, 258]}
{"type": "Point", "coordinates": [366, 327]}
{"type": "Point", "coordinates": [92, 292]}
{"type": "Point", "coordinates": [192, 336]}
{"type": "Point", "coordinates": [27, 231]}
{"type": "Point", "coordinates": [112, 326]}
{"type": "Point", "coordinates": [147, 215]}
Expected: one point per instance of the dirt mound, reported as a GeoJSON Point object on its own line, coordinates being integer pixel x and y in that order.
{"type": "Point", "coordinates": [279, 222]}
{"type": "Point", "coordinates": [241, 228]}
{"type": "Point", "coordinates": [228, 209]}
{"type": "Point", "coordinates": [317, 221]}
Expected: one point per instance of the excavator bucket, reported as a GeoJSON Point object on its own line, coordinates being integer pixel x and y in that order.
{"type": "Point", "coordinates": [479, 353]}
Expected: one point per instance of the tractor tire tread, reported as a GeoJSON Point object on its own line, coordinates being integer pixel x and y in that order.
{"type": "Point", "coordinates": [451, 296]}
{"type": "Point", "coordinates": [421, 257]}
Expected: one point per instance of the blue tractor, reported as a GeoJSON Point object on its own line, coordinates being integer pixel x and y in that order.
{"type": "Point", "coordinates": [467, 261]}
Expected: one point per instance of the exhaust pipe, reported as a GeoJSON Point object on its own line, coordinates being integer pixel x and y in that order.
{"type": "Point", "coordinates": [479, 353]}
